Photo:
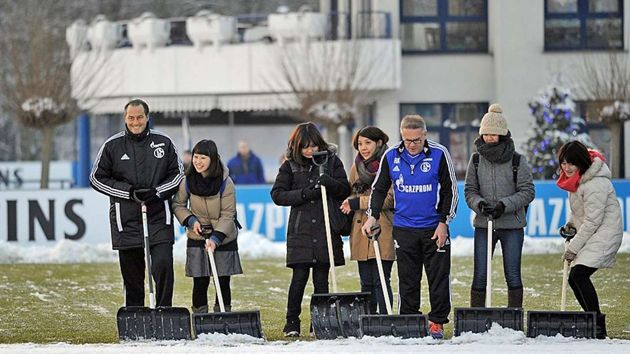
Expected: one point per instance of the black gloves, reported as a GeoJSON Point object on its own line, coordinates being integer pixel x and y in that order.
{"type": "Point", "coordinates": [327, 181]}
{"type": "Point", "coordinates": [494, 212]}
{"type": "Point", "coordinates": [567, 232]}
{"type": "Point", "coordinates": [484, 208]}
{"type": "Point", "coordinates": [311, 193]}
{"type": "Point", "coordinates": [144, 195]}
{"type": "Point", "coordinates": [499, 209]}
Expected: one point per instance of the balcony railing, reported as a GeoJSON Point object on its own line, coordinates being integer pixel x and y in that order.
{"type": "Point", "coordinates": [255, 28]}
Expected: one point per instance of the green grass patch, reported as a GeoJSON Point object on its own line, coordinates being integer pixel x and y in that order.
{"type": "Point", "coordinates": [77, 303]}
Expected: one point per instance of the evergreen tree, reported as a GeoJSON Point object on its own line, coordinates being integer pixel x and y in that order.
{"type": "Point", "coordinates": [555, 124]}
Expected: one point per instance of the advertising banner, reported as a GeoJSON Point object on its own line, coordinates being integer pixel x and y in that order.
{"type": "Point", "coordinates": [46, 216]}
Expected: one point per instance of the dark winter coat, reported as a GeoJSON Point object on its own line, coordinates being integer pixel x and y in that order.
{"type": "Point", "coordinates": [246, 171]}
{"type": "Point", "coordinates": [148, 160]}
{"type": "Point", "coordinates": [306, 234]}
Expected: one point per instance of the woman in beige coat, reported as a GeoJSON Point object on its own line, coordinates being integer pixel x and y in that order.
{"type": "Point", "coordinates": [371, 144]}
{"type": "Point", "coordinates": [596, 218]}
{"type": "Point", "coordinates": [206, 204]}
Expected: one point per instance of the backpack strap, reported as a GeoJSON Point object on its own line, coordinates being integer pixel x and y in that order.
{"type": "Point", "coordinates": [516, 161]}
{"type": "Point", "coordinates": [221, 189]}
{"type": "Point", "coordinates": [475, 159]}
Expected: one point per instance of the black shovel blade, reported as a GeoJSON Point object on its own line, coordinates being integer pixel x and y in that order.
{"type": "Point", "coordinates": [243, 322]}
{"type": "Point", "coordinates": [567, 323]}
{"type": "Point", "coordinates": [162, 323]}
{"type": "Point", "coordinates": [338, 315]}
{"type": "Point", "coordinates": [480, 319]}
{"type": "Point", "coordinates": [403, 326]}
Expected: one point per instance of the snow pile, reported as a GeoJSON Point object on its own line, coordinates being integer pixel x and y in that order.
{"type": "Point", "coordinates": [250, 244]}
{"type": "Point", "coordinates": [497, 340]}
{"type": "Point", "coordinates": [38, 105]}
{"type": "Point", "coordinates": [495, 335]}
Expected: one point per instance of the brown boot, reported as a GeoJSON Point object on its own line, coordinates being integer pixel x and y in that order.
{"type": "Point", "coordinates": [515, 297]}
{"type": "Point", "coordinates": [477, 298]}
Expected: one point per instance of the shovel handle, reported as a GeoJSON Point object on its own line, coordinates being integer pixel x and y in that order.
{"type": "Point", "coordinates": [217, 285]}
{"type": "Point", "coordinates": [381, 274]}
{"type": "Point", "coordinates": [331, 255]}
{"type": "Point", "coordinates": [147, 254]}
{"type": "Point", "coordinates": [565, 281]}
{"type": "Point", "coordinates": [489, 265]}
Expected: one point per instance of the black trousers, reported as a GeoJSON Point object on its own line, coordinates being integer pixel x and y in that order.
{"type": "Point", "coordinates": [200, 291]}
{"type": "Point", "coordinates": [416, 250]}
{"type": "Point", "coordinates": [371, 282]}
{"type": "Point", "coordinates": [299, 279]}
{"type": "Point", "coordinates": [132, 267]}
{"type": "Point", "coordinates": [582, 286]}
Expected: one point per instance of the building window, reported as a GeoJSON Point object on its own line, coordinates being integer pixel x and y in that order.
{"type": "Point", "coordinates": [583, 24]}
{"type": "Point", "coordinates": [444, 26]}
{"type": "Point", "coordinates": [454, 125]}
{"type": "Point", "coordinates": [597, 130]}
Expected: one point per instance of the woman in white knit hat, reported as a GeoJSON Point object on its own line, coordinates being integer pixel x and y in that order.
{"type": "Point", "coordinates": [499, 186]}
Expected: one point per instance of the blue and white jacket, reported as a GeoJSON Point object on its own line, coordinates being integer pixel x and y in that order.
{"type": "Point", "coordinates": [425, 186]}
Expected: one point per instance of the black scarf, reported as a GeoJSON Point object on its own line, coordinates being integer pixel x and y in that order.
{"type": "Point", "coordinates": [204, 186]}
{"type": "Point", "coordinates": [500, 152]}
{"type": "Point", "coordinates": [366, 169]}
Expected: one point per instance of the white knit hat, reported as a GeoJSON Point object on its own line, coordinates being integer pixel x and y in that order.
{"type": "Point", "coordinates": [493, 122]}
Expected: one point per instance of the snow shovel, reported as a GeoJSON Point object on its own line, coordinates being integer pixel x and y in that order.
{"type": "Point", "coordinates": [404, 326]}
{"type": "Point", "coordinates": [162, 323]}
{"type": "Point", "coordinates": [242, 322]}
{"type": "Point", "coordinates": [337, 314]}
{"type": "Point", "coordinates": [480, 319]}
{"type": "Point", "coordinates": [577, 324]}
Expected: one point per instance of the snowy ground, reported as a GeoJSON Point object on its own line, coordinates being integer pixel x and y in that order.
{"type": "Point", "coordinates": [497, 340]}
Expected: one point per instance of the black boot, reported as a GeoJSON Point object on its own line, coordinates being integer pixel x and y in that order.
{"type": "Point", "coordinates": [292, 328]}
{"type": "Point", "coordinates": [200, 309]}
{"type": "Point", "coordinates": [600, 326]}
{"type": "Point", "coordinates": [477, 298]}
{"type": "Point", "coordinates": [515, 297]}
{"type": "Point", "coordinates": [217, 308]}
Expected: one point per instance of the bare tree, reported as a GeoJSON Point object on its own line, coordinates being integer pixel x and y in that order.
{"type": "Point", "coordinates": [328, 82]}
{"type": "Point", "coordinates": [604, 79]}
{"type": "Point", "coordinates": [35, 70]}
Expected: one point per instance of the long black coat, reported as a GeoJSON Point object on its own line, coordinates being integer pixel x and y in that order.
{"type": "Point", "coordinates": [306, 233]}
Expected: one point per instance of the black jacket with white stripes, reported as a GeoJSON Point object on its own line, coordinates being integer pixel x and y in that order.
{"type": "Point", "coordinates": [127, 161]}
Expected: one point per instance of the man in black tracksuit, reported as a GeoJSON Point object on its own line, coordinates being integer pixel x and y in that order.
{"type": "Point", "coordinates": [140, 165]}
{"type": "Point", "coordinates": [425, 201]}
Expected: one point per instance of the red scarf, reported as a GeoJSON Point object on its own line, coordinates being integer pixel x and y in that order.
{"type": "Point", "coordinates": [570, 184]}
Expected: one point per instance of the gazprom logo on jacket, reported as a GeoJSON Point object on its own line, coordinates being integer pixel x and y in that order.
{"type": "Point", "coordinates": [417, 188]}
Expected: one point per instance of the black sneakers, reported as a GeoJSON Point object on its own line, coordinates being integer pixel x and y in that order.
{"type": "Point", "coordinates": [292, 328]}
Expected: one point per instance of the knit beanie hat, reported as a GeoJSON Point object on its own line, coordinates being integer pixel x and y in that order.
{"type": "Point", "coordinates": [493, 122]}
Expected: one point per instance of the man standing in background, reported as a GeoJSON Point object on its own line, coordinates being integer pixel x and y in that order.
{"type": "Point", "coordinates": [246, 167]}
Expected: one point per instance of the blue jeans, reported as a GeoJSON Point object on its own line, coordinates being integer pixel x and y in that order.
{"type": "Point", "coordinates": [511, 246]}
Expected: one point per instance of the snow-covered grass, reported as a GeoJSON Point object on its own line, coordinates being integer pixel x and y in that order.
{"type": "Point", "coordinates": [251, 246]}
{"type": "Point", "coordinates": [46, 298]}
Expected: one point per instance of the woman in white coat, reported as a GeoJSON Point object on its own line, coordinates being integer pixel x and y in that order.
{"type": "Point", "coordinates": [596, 217]}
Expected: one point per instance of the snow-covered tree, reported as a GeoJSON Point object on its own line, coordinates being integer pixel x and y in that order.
{"type": "Point", "coordinates": [604, 80]}
{"type": "Point", "coordinates": [555, 124]}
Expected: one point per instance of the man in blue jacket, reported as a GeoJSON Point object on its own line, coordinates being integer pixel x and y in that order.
{"type": "Point", "coordinates": [425, 195]}
{"type": "Point", "coordinates": [245, 167]}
